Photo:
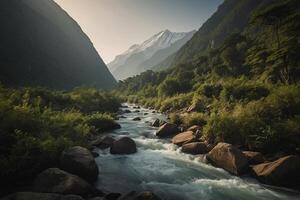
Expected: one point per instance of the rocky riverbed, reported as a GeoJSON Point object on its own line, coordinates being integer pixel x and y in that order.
{"type": "Point", "coordinates": [161, 167]}
{"type": "Point", "coordinates": [147, 158]}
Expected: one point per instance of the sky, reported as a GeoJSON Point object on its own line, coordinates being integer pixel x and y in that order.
{"type": "Point", "coordinates": [115, 25]}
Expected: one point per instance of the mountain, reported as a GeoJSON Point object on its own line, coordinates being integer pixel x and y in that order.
{"type": "Point", "coordinates": [141, 57]}
{"type": "Point", "coordinates": [231, 17]}
{"type": "Point", "coordinates": [41, 45]}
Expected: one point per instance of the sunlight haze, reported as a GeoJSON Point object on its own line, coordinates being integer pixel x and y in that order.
{"type": "Point", "coordinates": [115, 25]}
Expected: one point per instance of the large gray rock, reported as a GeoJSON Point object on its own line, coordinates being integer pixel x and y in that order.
{"type": "Point", "coordinates": [228, 157]}
{"type": "Point", "coordinates": [184, 138]}
{"type": "Point", "coordinates": [54, 180]}
{"type": "Point", "coordinates": [282, 172]}
{"type": "Point", "coordinates": [40, 196]}
{"type": "Point", "coordinates": [195, 148]}
{"type": "Point", "coordinates": [78, 160]}
{"type": "Point", "coordinates": [103, 142]}
{"type": "Point", "coordinates": [167, 130]}
{"type": "Point", "coordinates": [124, 145]}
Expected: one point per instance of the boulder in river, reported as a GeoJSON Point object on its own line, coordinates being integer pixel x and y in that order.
{"type": "Point", "coordinates": [184, 138]}
{"type": "Point", "coordinates": [103, 142]}
{"type": "Point", "coordinates": [78, 160]}
{"type": "Point", "coordinates": [254, 158]}
{"type": "Point", "coordinates": [137, 119]}
{"type": "Point", "coordinates": [195, 128]}
{"type": "Point", "coordinates": [228, 157]}
{"type": "Point", "coordinates": [136, 111]}
{"type": "Point", "coordinates": [127, 111]}
{"type": "Point", "coordinates": [195, 148]}
{"type": "Point", "coordinates": [40, 196]}
{"type": "Point", "coordinates": [125, 145]}
{"type": "Point", "coordinates": [167, 130]}
{"type": "Point", "coordinates": [54, 180]}
{"type": "Point", "coordinates": [139, 196]}
{"type": "Point", "coordinates": [282, 172]}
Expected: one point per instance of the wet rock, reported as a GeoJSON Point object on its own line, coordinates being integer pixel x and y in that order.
{"type": "Point", "coordinates": [195, 148]}
{"type": "Point", "coordinates": [54, 180]}
{"type": "Point", "coordinates": [40, 196]}
{"type": "Point", "coordinates": [124, 145]}
{"type": "Point", "coordinates": [122, 117]}
{"type": "Point", "coordinates": [136, 111]}
{"type": "Point", "coordinates": [78, 160]}
{"type": "Point", "coordinates": [167, 130]}
{"type": "Point", "coordinates": [228, 157]}
{"type": "Point", "coordinates": [254, 157]}
{"type": "Point", "coordinates": [184, 138]}
{"type": "Point", "coordinates": [282, 172]}
{"type": "Point", "coordinates": [103, 142]}
{"type": "Point", "coordinates": [153, 111]}
{"type": "Point", "coordinates": [194, 128]}
{"type": "Point", "coordinates": [127, 111]}
{"type": "Point", "coordinates": [139, 196]}
{"type": "Point", "coordinates": [124, 106]}
{"type": "Point", "coordinates": [137, 119]}
{"type": "Point", "coordinates": [146, 113]}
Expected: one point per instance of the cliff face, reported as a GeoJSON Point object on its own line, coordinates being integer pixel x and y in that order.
{"type": "Point", "coordinates": [41, 45]}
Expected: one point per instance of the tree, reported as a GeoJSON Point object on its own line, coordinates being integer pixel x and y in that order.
{"type": "Point", "coordinates": [275, 16]}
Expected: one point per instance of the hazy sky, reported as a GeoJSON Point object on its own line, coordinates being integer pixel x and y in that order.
{"type": "Point", "coordinates": [115, 25]}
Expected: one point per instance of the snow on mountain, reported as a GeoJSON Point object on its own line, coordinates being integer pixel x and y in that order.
{"type": "Point", "coordinates": [126, 64]}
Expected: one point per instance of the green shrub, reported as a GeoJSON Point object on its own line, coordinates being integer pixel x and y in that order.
{"type": "Point", "coordinates": [195, 119]}
{"type": "Point", "coordinates": [38, 124]}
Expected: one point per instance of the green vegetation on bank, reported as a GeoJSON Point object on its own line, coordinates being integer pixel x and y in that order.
{"type": "Point", "coordinates": [38, 124]}
{"type": "Point", "coordinates": [245, 92]}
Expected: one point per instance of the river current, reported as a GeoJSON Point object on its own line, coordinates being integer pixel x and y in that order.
{"type": "Point", "coordinates": [160, 167]}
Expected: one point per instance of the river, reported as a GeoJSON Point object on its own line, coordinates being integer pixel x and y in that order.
{"type": "Point", "coordinates": [159, 166]}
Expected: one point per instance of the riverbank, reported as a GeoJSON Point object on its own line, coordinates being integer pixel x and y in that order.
{"type": "Point", "coordinates": [155, 165]}
{"type": "Point", "coordinates": [163, 168]}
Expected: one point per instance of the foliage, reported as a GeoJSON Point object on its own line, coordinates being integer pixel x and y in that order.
{"type": "Point", "coordinates": [37, 124]}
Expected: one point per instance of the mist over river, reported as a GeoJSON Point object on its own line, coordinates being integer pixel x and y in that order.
{"type": "Point", "coordinates": [159, 166]}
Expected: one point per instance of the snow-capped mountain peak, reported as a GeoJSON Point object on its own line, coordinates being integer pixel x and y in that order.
{"type": "Point", "coordinates": [139, 53]}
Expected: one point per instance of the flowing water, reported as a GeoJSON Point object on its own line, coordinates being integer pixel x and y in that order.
{"type": "Point", "coordinates": [159, 166]}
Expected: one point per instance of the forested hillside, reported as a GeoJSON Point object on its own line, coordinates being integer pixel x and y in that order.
{"type": "Point", "coordinates": [41, 45]}
{"type": "Point", "coordinates": [231, 17]}
{"type": "Point", "coordinates": [243, 91]}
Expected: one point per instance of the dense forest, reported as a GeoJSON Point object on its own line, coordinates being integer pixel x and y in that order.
{"type": "Point", "coordinates": [37, 124]}
{"type": "Point", "coordinates": [245, 91]}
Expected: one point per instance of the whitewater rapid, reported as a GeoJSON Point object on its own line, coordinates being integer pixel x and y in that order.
{"type": "Point", "coordinates": [159, 166]}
